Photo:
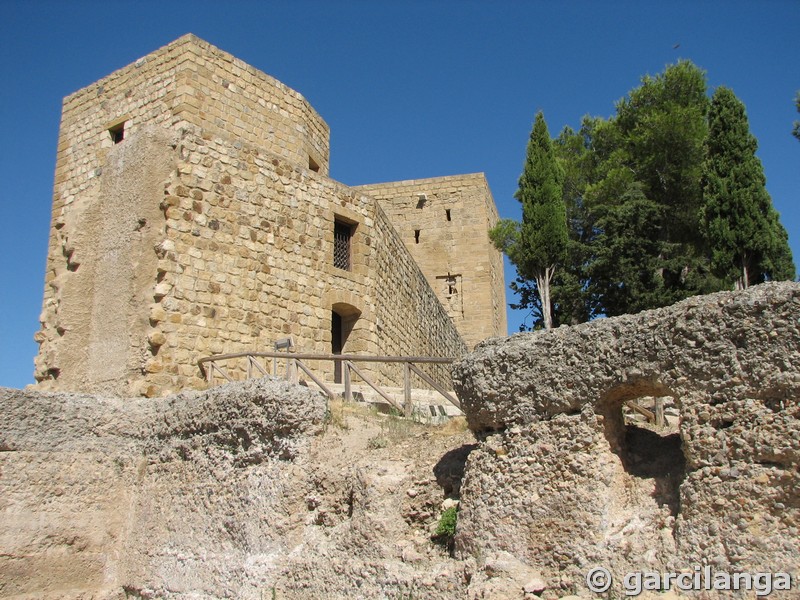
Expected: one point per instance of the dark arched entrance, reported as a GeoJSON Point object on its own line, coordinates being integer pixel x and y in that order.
{"type": "Point", "coordinates": [343, 319]}
{"type": "Point", "coordinates": [646, 451]}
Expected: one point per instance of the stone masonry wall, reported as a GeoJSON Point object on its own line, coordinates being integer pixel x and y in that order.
{"type": "Point", "coordinates": [241, 254]}
{"type": "Point", "coordinates": [444, 223]}
{"type": "Point", "coordinates": [96, 181]}
{"type": "Point", "coordinates": [248, 258]}
{"type": "Point", "coordinates": [228, 97]}
{"type": "Point", "coordinates": [136, 95]}
{"type": "Point", "coordinates": [208, 228]}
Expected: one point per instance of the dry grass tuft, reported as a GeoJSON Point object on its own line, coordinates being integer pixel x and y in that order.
{"type": "Point", "coordinates": [453, 426]}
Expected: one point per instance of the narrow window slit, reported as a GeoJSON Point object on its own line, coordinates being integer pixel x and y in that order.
{"type": "Point", "coordinates": [117, 132]}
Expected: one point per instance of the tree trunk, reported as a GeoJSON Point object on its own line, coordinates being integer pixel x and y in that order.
{"type": "Point", "coordinates": [744, 280]}
{"type": "Point", "coordinates": [543, 288]}
{"type": "Point", "coordinates": [745, 276]}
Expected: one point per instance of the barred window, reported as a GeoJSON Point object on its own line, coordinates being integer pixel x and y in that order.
{"type": "Point", "coordinates": [342, 233]}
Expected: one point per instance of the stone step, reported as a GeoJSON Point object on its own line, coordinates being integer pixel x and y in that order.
{"type": "Point", "coordinates": [429, 406]}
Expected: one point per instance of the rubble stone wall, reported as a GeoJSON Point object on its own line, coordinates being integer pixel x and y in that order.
{"type": "Point", "coordinates": [111, 498]}
{"type": "Point", "coordinates": [252, 489]}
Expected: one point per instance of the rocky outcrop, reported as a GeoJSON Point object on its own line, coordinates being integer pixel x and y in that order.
{"type": "Point", "coordinates": [113, 498]}
{"type": "Point", "coordinates": [563, 482]}
{"type": "Point", "coordinates": [263, 490]}
{"type": "Point", "coordinates": [247, 491]}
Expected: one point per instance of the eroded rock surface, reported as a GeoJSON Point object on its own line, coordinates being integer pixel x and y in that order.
{"type": "Point", "coordinates": [564, 483]}
{"type": "Point", "coordinates": [113, 498]}
{"type": "Point", "coordinates": [247, 491]}
{"type": "Point", "coordinates": [262, 490]}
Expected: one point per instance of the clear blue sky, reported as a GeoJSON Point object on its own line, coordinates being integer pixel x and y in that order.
{"type": "Point", "coordinates": [409, 89]}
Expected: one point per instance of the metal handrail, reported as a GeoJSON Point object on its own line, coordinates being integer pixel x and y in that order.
{"type": "Point", "coordinates": [295, 362]}
{"type": "Point", "coordinates": [312, 356]}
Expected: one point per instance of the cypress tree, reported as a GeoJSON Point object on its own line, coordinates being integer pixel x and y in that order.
{"type": "Point", "coordinates": [662, 125]}
{"type": "Point", "coordinates": [746, 240]}
{"type": "Point", "coordinates": [536, 246]}
{"type": "Point", "coordinates": [571, 294]}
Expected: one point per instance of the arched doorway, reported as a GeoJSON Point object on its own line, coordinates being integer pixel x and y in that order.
{"type": "Point", "coordinates": [343, 320]}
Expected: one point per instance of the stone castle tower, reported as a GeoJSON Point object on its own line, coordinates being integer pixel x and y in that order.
{"type": "Point", "coordinates": [193, 215]}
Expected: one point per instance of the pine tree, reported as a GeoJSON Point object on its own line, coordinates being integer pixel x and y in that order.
{"type": "Point", "coordinates": [747, 242]}
{"type": "Point", "coordinates": [662, 125]}
{"type": "Point", "coordinates": [537, 245]}
{"type": "Point", "coordinates": [645, 198]}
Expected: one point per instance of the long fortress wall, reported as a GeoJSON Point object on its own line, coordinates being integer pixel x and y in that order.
{"type": "Point", "coordinates": [444, 223]}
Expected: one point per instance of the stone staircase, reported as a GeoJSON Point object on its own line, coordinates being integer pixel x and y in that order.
{"type": "Point", "coordinates": [429, 406]}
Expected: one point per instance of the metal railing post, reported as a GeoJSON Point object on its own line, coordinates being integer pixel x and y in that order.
{"type": "Point", "coordinates": [407, 406]}
{"type": "Point", "coordinates": [348, 390]}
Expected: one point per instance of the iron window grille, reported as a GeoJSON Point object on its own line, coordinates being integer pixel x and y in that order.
{"type": "Point", "coordinates": [342, 234]}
